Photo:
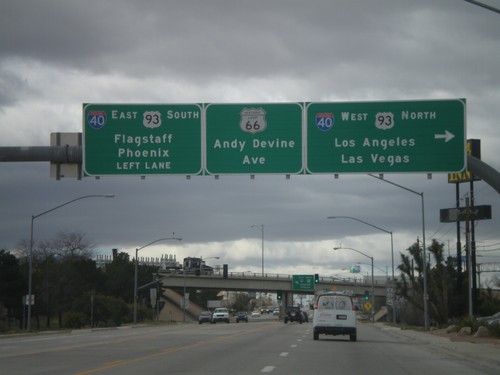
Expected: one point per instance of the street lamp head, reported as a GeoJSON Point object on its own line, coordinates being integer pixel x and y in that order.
{"type": "Point", "coordinates": [210, 258]}
{"type": "Point", "coordinates": [337, 248]}
{"type": "Point", "coordinates": [159, 240]}
{"type": "Point", "coordinates": [172, 238]}
{"type": "Point", "coordinates": [109, 196]}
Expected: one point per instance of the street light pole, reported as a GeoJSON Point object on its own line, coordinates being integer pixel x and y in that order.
{"type": "Point", "coordinates": [136, 267]}
{"type": "Point", "coordinates": [184, 294]}
{"type": "Point", "coordinates": [426, 295]}
{"type": "Point", "coordinates": [373, 280]}
{"type": "Point", "coordinates": [30, 261]}
{"type": "Point", "coordinates": [262, 232]}
{"type": "Point", "coordinates": [392, 253]}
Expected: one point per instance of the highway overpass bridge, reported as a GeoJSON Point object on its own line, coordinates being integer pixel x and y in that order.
{"type": "Point", "coordinates": [272, 283]}
{"type": "Point", "coordinates": [249, 281]}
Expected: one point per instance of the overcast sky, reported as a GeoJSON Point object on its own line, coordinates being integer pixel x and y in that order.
{"type": "Point", "coordinates": [56, 55]}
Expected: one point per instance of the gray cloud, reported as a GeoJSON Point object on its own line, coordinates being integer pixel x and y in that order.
{"type": "Point", "coordinates": [56, 55]}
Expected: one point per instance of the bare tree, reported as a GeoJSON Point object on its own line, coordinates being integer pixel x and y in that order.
{"type": "Point", "coordinates": [64, 245]}
{"type": "Point", "coordinates": [72, 245]}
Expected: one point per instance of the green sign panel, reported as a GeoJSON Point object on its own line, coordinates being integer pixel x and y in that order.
{"type": "Point", "coordinates": [386, 137]}
{"type": "Point", "coordinates": [303, 282]}
{"type": "Point", "coordinates": [142, 139]}
{"type": "Point", "coordinates": [274, 138]}
{"type": "Point", "coordinates": [254, 138]}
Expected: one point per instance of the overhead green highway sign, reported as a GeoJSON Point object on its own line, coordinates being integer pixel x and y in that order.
{"type": "Point", "coordinates": [303, 282]}
{"type": "Point", "coordinates": [142, 139]}
{"type": "Point", "coordinates": [386, 137]}
{"type": "Point", "coordinates": [423, 136]}
{"type": "Point", "coordinates": [254, 138]}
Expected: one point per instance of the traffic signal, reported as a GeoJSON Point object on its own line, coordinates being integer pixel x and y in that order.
{"type": "Point", "coordinates": [316, 278]}
{"type": "Point", "coordinates": [279, 295]}
{"type": "Point", "coordinates": [367, 295]}
{"type": "Point", "coordinates": [224, 271]}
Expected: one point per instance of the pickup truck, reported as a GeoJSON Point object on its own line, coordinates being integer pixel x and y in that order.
{"type": "Point", "coordinates": [220, 315]}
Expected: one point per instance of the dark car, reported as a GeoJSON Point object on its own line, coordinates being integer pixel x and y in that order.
{"type": "Point", "coordinates": [293, 314]}
{"type": "Point", "coordinates": [205, 317]}
{"type": "Point", "coordinates": [242, 316]}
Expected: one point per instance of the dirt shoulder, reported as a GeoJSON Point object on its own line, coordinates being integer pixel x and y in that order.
{"type": "Point", "coordinates": [453, 336]}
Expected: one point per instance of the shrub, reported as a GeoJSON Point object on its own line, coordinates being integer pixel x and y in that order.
{"type": "Point", "coordinates": [74, 319]}
{"type": "Point", "coordinates": [495, 331]}
{"type": "Point", "coordinates": [107, 311]}
{"type": "Point", "coordinates": [465, 321]}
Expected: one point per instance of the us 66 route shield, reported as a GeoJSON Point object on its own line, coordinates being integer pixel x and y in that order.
{"type": "Point", "coordinates": [386, 137]}
{"type": "Point", "coordinates": [254, 138]}
{"type": "Point", "coordinates": [142, 139]}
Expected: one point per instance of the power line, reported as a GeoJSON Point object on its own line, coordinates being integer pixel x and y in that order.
{"type": "Point", "coordinates": [487, 251]}
{"type": "Point", "coordinates": [493, 244]}
{"type": "Point", "coordinates": [486, 6]}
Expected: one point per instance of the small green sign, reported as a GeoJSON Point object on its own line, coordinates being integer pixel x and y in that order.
{"type": "Point", "coordinates": [142, 139]}
{"type": "Point", "coordinates": [303, 282]}
{"type": "Point", "coordinates": [386, 137]}
{"type": "Point", "coordinates": [254, 138]}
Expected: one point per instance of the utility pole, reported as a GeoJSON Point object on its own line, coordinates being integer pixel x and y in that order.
{"type": "Point", "coordinates": [470, 271]}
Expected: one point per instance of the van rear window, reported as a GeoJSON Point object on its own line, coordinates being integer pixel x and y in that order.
{"type": "Point", "coordinates": [334, 303]}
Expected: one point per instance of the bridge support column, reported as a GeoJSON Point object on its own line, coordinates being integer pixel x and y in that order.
{"type": "Point", "coordinates": [288, 296]}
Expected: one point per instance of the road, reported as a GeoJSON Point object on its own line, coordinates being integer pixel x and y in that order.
{"type": "Point", "coordinates": [260, 346]}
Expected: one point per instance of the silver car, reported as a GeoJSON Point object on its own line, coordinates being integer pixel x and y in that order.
{"type": "Point", "coordinates": [205, 317]}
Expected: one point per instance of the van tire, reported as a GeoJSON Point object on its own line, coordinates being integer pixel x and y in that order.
{"type": "Point", "coordinates": [352, 337]}
{"type": "Point", "coordinates": [315, 335]}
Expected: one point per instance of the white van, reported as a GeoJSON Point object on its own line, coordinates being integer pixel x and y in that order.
{"type": "Point", "coordinates": [334, 314]}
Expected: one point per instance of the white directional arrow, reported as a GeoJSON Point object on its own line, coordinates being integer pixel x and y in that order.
{"type": "Point", "coordinates": [446, 136]}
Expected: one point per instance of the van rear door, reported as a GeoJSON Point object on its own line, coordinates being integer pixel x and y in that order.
{"type": "Point", "coordinates": [334, 310]}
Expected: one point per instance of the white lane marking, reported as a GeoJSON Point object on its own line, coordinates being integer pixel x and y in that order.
{"type": "Point", "coordinates": [284, 354]}
{"type": "Point", "coordinates": [267, 369]}
{"type": "Point", "coordinates": [293, 346]}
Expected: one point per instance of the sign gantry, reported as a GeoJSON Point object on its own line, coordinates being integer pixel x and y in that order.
{"type": "Point", "coordinates": [274, 138]}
